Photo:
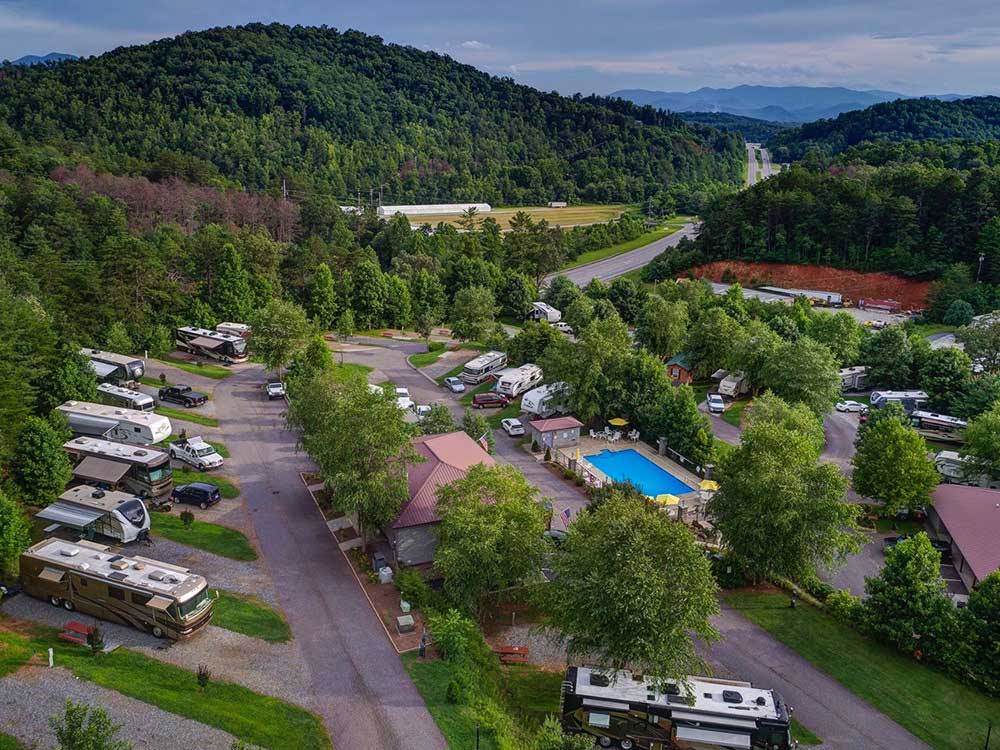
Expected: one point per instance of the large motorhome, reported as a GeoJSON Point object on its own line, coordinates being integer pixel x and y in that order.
{"type": "Point", "coordinates": [479, 369]}
{"type": "Point", "coordinates": [626, 711]}
{"type": "Point", "coordinates": [545, 400]}
{"type": "Point", "coordinates": [516, 380]}
{"type": "Point", "coordinates": [939, 427]}
{"type": "Point", "coordinates": [113, 423]}
{"type": "Point", "coordinates": [911, 400]}
{"type": "Point", "coordinates": [117, 395]}
{"type": "Point", "coordinates": [143, 471]}
{"type": "Point", "coordinates": [167, 600]}
{"type": "Point", "coordinates": [114, 368]}
{"type": "Point", "coordinates": [90, 511]}
{"type": "Point", "coordinates": [224, 347]}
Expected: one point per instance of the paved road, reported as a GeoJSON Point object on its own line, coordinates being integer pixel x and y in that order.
{"type": "Point", "coordinates": [618, 265]}
{"type": "Point", "coordinates": [357, 682]}
{"type": "Point", "coordinates": [844, 721]}
{"type": "Point", "coordinates": [755, 174]}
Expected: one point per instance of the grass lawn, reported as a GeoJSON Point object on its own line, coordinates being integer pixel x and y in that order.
{"type": "Point", "coordinates": [909, 526]}
{"type": "Point", "coordinates": [250, 616]}
{"type": "Point", "coordinates": [155, 383]}
{"type": "Point", "coordinates": [531, 693]}
{"type": "Point", "coordinates": [10, 743]}
{"type": "Point", "coordinates": [186, 415]}
{"type": "Point", "coordinates": [454, 372]}
{"type": "Point", "coordinates": [424, 359]}
{"type": "Point", "coordinates": [734, 414]}
{"type": "Point", "coordinates": [345, 370]}
{"type": "Point", "coordinates": [216, 372]}
{"type": "Point", "coordinates": [264, 721]}
{"type": "Point", "coordinates": [211, 537]}
{"type": "Point", "coordinates": [456, 722]}
{"type": "Point", "coordinates": [803, 735]}
{"type": "Point", "coordinates": [904, 690]}
{"type": "Point", "coordinates": [510, 410]}
{"type": "Point", "coordinates": [565, 217]}
{"type": "Point", "coordinates": [722, 449]}
{"type": "Point", "coordinates": [226, 488]}
{"type": "Point", "coordinates": [929, 329]}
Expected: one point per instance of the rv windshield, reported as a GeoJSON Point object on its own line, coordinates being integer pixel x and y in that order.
{"type": "Point", "coordinates": [134, 512]}
{"type": "Point", "coordinates": [195, 604]}
{"type": "Point", "coordinates": [159, 474]}
{"type": "Point", "coordinates": [240, 347]}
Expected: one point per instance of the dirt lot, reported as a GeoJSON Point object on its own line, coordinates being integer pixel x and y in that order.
{"type": "Point", "coordinates": [854, 285]}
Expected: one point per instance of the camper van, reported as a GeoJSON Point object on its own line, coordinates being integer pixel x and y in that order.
{"type": "Point", "coordinates": [114, 423]}
{"type": "Point", "coordinates": [224, 347]}
{"type": "Point", "coordinates": [114, 368]}
{"type": "Point", "coordinates": [234, 329]}
{"type": "Point", "coordinates": [90, 511]}
{"type": "Point", "coordinates": [735, 384]}
{"type": "Point", "coordinates": [630, 711]}
{"type": "Point", "coordinates": [853, 379]}
{"type": "Point", "coordinates": [143, 471]}
{"type": "Point", "coordinates": [545, 400]}
{"type": "Point", "coordinates": [167, 600]}
{"type": "Point", "coordinates": [117, 395]}
{"type": "Point", "coordinates": [514, 381]}
{"type": "Point", "coordinates": [479, 369]}
{"type": "Point", "coordinates": [910, 400]}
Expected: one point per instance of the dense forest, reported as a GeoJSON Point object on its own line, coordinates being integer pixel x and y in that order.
{"type": "Point", "coordinates": [750, 128]}
{"type": "Point", "coordinates": [317, 110]}
{"type": "Point", "coordinates": [976, 119]}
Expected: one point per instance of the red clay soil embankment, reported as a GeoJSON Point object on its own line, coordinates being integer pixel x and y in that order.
{"type": "Point", "coordinates": [854, 285]}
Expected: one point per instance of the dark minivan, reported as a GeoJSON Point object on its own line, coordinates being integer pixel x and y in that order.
{"type": "Point", "coordinates": [201, 494]}
{"type": "Point", "coordinates": [490, 400]}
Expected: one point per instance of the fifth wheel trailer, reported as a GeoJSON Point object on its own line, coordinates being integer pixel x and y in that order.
{"type": "Point", "coordinates": [90, 511]}
{"type": "Point", "coordinates": [113, 423]}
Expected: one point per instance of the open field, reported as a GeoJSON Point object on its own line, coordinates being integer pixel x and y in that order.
{"type": "Point", "coordinates": [854, 285]}
{"type": "Point", "coordinates": [906, 691]}
{"type": "Point", "coordinates": [571, 216]}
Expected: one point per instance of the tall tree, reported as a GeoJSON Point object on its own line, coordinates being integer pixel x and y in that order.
{"type": "Point", "coordinates": [117, 339]}
{"type": "Point", "coordinates": [280, 331]}
{"type": "Point", "coordinates": [41, 466]}
{"type": "Point", "coordinates": [369, 294]}
{"type": "Point", "coordinates": [632, 589]}
{"type": "Point", "coordinates": [398, 308]}
{"type": "Point", "coordinates": [888, 356]}
{"type": "Point", "coordinates": [490, 536]}
{"type": "Point", "coordinates": [982, 343]}
{"type": "Point", "coordinates": [15, 535]}
{"type": "Point", "coordinates": [795, 417]}
{"type": "Point", "coordinates": [982, 445]}
{"type": "Point", "coordinates": [662, 326]}
{"type": "Point", "coordinates": [804, 371]}
{"type": "Point", "coordinates": [712, 340]}
{"type": "Point", "coordinates": [477, 427]}
{"type": "Point", "coordinates": [840, 333]}
{"type": "Point", "coordinates": [473, 313]}
{"type": "Point", "coordinates": [323, 305]}
{"type": "Point", "coordinates": [891, 465]}
{"type": "Point", "coordinates": [516, 295]}
{"type": "Point", "coordinates": [438, 420]}
{"type": "Point", "coordinates": [427, 301]}
{"type": "Point", "coordinates": [71, 379]}
{"type": "Point", "coordinates": [946, 376]}
{"type": "Point", "coordinates": [232, 297]}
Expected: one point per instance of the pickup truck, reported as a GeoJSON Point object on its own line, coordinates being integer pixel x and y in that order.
{"type": "Point", "coordinates": [196, 452]}
{"type": "Point", "coordinates": [182, 394]}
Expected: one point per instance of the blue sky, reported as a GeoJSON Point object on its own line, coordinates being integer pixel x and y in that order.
{"type": "Point", "coordinates": [915, 46]}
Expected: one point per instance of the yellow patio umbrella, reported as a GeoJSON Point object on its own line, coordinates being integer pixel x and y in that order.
{"type": "Point", "coordinates": [666, 499]}
{"type": "Point", "coordinates": [618, 422]}
{"type": "Point", "coordinates": [578, 453]}
{"type": "Point", "coordinates": [708, 485]}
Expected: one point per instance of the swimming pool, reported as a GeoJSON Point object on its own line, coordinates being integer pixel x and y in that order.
{"type": "Point", "coordinates": [631, 466]}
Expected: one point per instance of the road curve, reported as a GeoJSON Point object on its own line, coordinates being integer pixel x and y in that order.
{"type": "Point", "coordinates": [618, 265]}
{"type": "Point", "coordinates": [358, 684]}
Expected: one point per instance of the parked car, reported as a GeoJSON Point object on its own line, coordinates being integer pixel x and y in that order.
{"type": "Point", "coordinates": [403, 400]}
{"type": "Point", "coordinates": [201, 494]}
{"type": "Point", "coordinates": [715, 403]}
{"type": "Point", "coordinates": [849, 406]}
{"type": "Point", "coordinates": [941, 546]}
{"type": "Point", "coordinates": [454, 385]}
{"type": "Point", "coordinates": [196, 452]}
{"type": "Point", "coordinates": [274, 390]}
{"type": "Point", "coordinates": [421, 410]}
{"type": "Point", "coordinates": [490, 400]}
{"type": "Point", "coordinates": [564, 328]}
{"type": "Point", "coordinates": [891, 541]}
{"type": "Point", "coordinates": [512, 427]}
{"type": "Point", "coordinates": [183, 395]}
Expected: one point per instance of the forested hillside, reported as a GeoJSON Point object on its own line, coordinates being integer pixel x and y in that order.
{"type": "Point", "coordinates": [750, 128]}
{"type": "Point", "coordinates": [976, 119]}
{"type": "Point", "coordinates": [344, 113]}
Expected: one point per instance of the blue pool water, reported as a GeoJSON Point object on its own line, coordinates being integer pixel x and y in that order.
{"type": "Point", "coordinates": [631, 466]}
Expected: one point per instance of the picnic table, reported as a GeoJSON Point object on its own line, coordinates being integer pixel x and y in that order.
{"type": "Point", "coordinates": [512, 654]}
{"type": "Point", "coordinates": [75, 632]}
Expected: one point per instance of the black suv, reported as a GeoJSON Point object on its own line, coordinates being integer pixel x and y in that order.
{"type": "Point", "coordinates": [201, 494]}
{"type": "Point", "coordinates": [182, 394]}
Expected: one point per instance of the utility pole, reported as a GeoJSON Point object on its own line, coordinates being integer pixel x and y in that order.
{"type": "Point", "coordinates": [982, 257]}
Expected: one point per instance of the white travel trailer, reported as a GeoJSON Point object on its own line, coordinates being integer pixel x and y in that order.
{"type": "Point", "coordinates": [543, 311]}
{"type": "Point", "coordinates": [90, 511]}
{"type": "Point", "coordinates": [479, 369]}
{"type": "Point", "coordinates": [734, 384]}
{"type": "Point", "coordinates": [853, 378]}
{"type": "Point", "coordinates": [114, 423]}
{"type": "Point", "coordinates": [951, 467]}
{"type": "Point", "coordinates": [114, 368]}
{"type": "Point", "coordinates": [545, 400]}
{"type": "Point", "coordinates": [516, 380]}
{"type": "Point", "coordinates": [117, 395]}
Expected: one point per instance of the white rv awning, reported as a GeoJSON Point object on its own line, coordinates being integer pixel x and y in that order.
{"type": "Point", "coordinates": [101, 369]}
{"type": "Point", "coordinates": [69, 514]}
{"type": "Point", "coordinates": [712, 737]}
{"type": "Point", "coordinates": [52, 575]}
{"type": "Point", "coordinates": [161, 603]}
{"type": "Point", "coordinates": [206, 343]}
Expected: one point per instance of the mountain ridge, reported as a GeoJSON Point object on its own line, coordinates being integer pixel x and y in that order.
{"type": "Point", "coordinates": [51, 57]}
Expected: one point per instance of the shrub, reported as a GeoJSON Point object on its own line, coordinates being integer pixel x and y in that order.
{"type": "Point", "coordinates": [453, 632]}
{"type": "Point", "coordinates": [203, 677]}
{"type": "Point", "coordinates": [187, 518]}
{"type": "Point", "coordinates": [568, 474]}
{"type": "Point", "coordinates": [548, 455]}
{"type": "Point", "coordinates": [435, 346]}
{"type": "Point", "coordinates": [412, 587]}
{"type": "Point", "coordinates": [534, 446]}
{"type": "Point", "coordinates": [727, 572]}
{"type": "Point", "coordinates": [820, 589]}
{"type": "Point", "coordinates": [844, 606]}
{"type": "Point", "coordinates": [95, 640]}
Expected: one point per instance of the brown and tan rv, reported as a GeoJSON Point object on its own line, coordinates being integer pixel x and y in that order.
{"type": "Point", "coordinates": [166, 600]}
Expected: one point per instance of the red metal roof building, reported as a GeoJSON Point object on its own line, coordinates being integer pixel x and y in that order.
{"type": "Point", "coordinates": [970, 517]}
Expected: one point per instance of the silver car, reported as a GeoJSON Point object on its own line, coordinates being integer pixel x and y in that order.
{"type": "Point", "coordinates": [512, 427]}
{"type": "Point", "coordinates": [715, 403]}
{"type": "Point", "coordinates": [454, 385]}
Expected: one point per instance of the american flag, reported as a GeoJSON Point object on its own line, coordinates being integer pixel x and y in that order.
{"type": "Point", "coordinates": [567, 513]}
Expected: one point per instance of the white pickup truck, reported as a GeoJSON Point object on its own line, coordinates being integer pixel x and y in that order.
{"type": "Point", "coordinates": [196, 452]}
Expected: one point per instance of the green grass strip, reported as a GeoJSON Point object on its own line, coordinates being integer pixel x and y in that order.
{"type": "Point", "coordinates": [226, 488]}
{"type": "Point", "coordinates": [734, 414]}
{"type": "Point", "coordinates": [250, 616]}
{"type": "Point", "coordinates": [425, 359]}
{"type": "Point", "coordinates": [216, 372]}
{"type": "Point", "coordinates": [10, 743]}
{"type": "Point", "coordinates": [908, 692]}
{"type": "Point", "coordinates": [804, 735]}
{"type": "Point", "coordinates": [210, 537]}
{"type": "Point", "coordinates": [186, 415]}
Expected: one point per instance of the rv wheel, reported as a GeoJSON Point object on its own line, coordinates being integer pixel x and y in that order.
{"type": "Point", "coordinates": [157, 631]}
{"type": "Point", "coordinates": [626, 744]}
{"type": "Point", "coordinates": [604, 741]}
{"type": "Point", "coordinates": [68, 605]}
{"type": "Point", "coordinates": [55, 601]}
{"type": "Point", "coordinates": [203, 506]}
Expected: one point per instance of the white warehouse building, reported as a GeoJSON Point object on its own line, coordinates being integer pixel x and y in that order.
{"type": "Point", "coordinates": [433, 209]}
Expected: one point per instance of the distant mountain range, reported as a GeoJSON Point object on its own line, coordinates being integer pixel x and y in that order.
{"type": "Point", "coordinates": [788, 104]}
{"type": "Point", "coordinates": [52, 57]}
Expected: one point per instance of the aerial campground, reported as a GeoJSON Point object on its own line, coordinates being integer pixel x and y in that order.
{"type": "Point", "coordinates": [447, 376]}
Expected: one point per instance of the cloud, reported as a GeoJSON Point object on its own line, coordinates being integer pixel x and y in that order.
{"type": "Point", "coordinates": [473, 44]}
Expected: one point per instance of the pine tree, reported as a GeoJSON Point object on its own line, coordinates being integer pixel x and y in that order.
{"type": "Point", "coordinates": [118, 339]}
{"type": "Point", "coordinates": [323, 303]}
{"type": "Point", "coordinates": [15, 535]}
{"type": "Point", "coordinates": [233, 298]}
{"type": "Point", "coordinates": [41, 467]}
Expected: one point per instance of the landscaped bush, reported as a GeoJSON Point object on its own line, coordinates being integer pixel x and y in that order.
{"type": "Point", "coordinates": [435, 346]}
{"type": "Point", "coordinates": [844, 606]}
{"type": "Point", "coordinates": [727, 573]}
{"type": "Point", "coordinates": [820, 589]}
{"type": "Point", "coordinates": [414, 588]}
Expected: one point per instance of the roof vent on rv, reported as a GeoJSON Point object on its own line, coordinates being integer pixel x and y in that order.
{"type": "Point", "coordinates": [761, 700]}
{"type": "Point", "coordinates": [139, 566]}
{"type": "Point", "coordinates": [69, 551]}
{"type": "Point", "coordinates": [97, 493]}
{"type": "Point", "coordinates": [139, 453]}
{"type": "Point", "coordinates": [119, 564]}
{"type": "Point", "coordinates": [600, 680]}
{"type": "Point", "coordinates": [731, 696]}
